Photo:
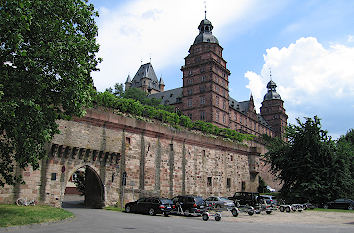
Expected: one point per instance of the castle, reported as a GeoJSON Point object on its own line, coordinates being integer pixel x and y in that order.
{"type": "Point", "coordinates": [205, 91]}
{"type": "Point", "coordinates": [159, 160]}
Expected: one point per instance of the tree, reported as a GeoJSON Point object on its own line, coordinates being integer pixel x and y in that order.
{"type": "Point", "coordinates": [47, 52]}
{"type": "Point", "coordinates": [345, 156]}
{"type": "Point", "coordinates": [307, 164]}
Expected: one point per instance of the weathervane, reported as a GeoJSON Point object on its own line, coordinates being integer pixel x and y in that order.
{"type": "Point", "coordinates": [270, 73]}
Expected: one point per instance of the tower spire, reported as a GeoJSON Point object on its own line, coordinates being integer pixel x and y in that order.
{"type": "Point", "coordinates": [270, 73]}
{"type": "Point", "coordinates": [205, 11]}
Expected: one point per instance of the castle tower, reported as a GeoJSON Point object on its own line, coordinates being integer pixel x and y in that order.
{"type": "Point", "coordinates": [205, 79]}
{"type": "Point", "coordinates": [146, 80]}
{"type": "Point", "coordinates": [273, 112]}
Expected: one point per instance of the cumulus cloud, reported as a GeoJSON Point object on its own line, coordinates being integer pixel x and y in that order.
{"type": "Point", "coordinates": [311, 79]}
{"type": "Point", "coordinates": [162, 30]}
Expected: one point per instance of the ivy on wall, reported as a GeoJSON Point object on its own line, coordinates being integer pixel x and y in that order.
{"type": "Point", "coordinates": [134, 107]}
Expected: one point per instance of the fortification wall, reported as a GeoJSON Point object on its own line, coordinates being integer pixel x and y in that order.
{"type": "Point", "coordinates": [158, 160]}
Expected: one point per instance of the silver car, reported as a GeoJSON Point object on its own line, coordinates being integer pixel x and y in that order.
{"type": "Point", "coordinates": [219, 202]}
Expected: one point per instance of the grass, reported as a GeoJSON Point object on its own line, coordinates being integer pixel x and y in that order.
{"type": "Point", "coordinates": [12, 215]}
{"type": "Point", "coordinates": [332, 210]}
{"type": "Point", "coordinates": [113, 208]}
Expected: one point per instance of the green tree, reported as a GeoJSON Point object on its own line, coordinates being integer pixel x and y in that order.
{"type": "Point", "coordinates": [307, 163]}
{"type": "Point", "coordinates": [345, 157]}
{"type": "Point", "coordinates": [47, 52]}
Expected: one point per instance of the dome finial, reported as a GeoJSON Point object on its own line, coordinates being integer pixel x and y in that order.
{"type": "Point", "coordinates": [270, 73]}
{"type": "Point", "coordinates": [205, 11]}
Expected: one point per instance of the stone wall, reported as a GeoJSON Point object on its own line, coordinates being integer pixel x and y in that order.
{"type": "Point", "coordinates": [159, 160]}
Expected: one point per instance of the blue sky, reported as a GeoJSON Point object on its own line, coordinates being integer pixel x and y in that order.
{"type": "Point", "coordinates": [308, 45]}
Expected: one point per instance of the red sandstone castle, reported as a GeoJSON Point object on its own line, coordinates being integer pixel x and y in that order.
{"type": "Point", "coordinates": [205, 91]}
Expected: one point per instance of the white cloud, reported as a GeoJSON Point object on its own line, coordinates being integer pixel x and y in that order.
{"type": "Point", "coordinates": [162, 30]}
{"type": "Point", "coordinates": [311, 79]}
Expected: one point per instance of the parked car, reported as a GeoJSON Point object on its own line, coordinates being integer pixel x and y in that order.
{"type": "Point", "coordinates": [270, 189]}
{"type": "Point", "coordinates": [189, 204]}
{"type": "Point", "coordinates": [270, 200]}
{"type": "Point", "coordinates": [219, 202]}
{"type": "Point", "coordinates": [245, 198]}
{"type": "Point", "coordinates": [346, 204]}
{"type": "Point", "coordinates": [150, 205]}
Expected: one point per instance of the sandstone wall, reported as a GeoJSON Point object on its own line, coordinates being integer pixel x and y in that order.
{"type": "Point", "coordinates": [158, 160]}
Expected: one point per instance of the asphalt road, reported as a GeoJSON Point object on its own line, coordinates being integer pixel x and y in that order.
{"type": "Point", "coordinates": [102, 221]}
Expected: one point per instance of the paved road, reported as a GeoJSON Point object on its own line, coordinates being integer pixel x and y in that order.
{"type": "Point", "coordinates": [102, 221]}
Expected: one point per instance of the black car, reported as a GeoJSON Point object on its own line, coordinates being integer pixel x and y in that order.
{"type": "Point", "coordinates": [150, 205]}
{"type": "Point", "coordinates": [189, 204]}
{"type": "Point", "coordinates": [246, 198]}
{"type": "Point", "coordinates": [346, 204]}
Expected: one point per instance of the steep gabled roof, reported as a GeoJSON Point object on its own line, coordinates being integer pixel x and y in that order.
{"type": "Point", "coordinates": [243, 108]}
{"type": "Point", "coordinates": [169, 97]}
{"type": "Point", "coordinates": [146, 71]}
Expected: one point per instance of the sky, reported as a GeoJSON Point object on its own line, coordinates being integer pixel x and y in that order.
{"type": "Point", "coordinates": [306, 45]}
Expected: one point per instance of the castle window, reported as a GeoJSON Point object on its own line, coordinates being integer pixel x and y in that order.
{"type": "Point", "coordinates": [190, 91]}
{"type": "Point", "coordinates": [190, 103]}
{"type": "Point", "coordinates": [217, 101]}
{"type": "Point", "coordinates": [223, 118]}
{"type": "Point", "coordinates": [190, 72]}
{"type": "Point", "coordinates": [202, 115]}
{"type": "Point", "coordinates": [209, 182]}
{"type": "Point", "coordinates": [190, 81]}
{"type": "Point", "coordinates": [127, 140]}
{"type": "Point", "coordinates": [203, 78]}
{"type": "Point", "coordinates": [217, 89]}
{"type": "Point", "coordinates": [190, 115]}
{"type": "Point", "coordinates": [202, 100]}
{"type": "Point", "coordinates": [228, 183]}
{"type": "Point", "coordinates": [243, 186]}
{"type": "Point", "coordinates": [217, 116]}
{"type": "Point", "coordinates": [224, 105]}
{"type": "Point", "coordinates": [202, 88]}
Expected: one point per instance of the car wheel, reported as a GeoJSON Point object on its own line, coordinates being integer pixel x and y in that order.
{"type": "Point", "coordinates": [186, 213]}
{"type": "Point", "coordinates": [281, 208]}
{"type": "Point", "coordinates": [217, 218]}
{"type": "Point", "coordinates": [152, 212]}
{"type": "Point", "coordinates": [325, 206]}
{"type": "Point", "coordinates": [350, 207]}
{"type": "Point", "coordinates": [287, 209]}
{"type": "Point", "coordinates": [234, 212]}
{"type": "Point", "coordinates": [268, 211]}
{"type": "Point", "coordinates": [128, 209]}
{"type": "Point", "coordinates": [205, 217]}
{"type": "Point", "coordinates": [250, 212]}
{"type": "Point", "coordinates": [165, 214]}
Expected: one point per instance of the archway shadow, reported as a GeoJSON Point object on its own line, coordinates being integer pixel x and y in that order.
{"type": "Point", "coordinates": [93, 195]}
{"type": "Point", "coordinates": [73, 201]}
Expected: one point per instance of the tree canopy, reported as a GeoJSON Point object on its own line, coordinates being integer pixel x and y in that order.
{"type": "Point", "coordinates": [47, 52]}
{"type": "Point", "coordinates": [310, 164]}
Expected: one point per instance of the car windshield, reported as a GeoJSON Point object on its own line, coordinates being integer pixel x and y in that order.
{"type": "Point", "coordinates": [166, 201]}
{"type": "Point", "coordinates": [224, 199]}
{"type": "Point", "coordinates": [199, 200]}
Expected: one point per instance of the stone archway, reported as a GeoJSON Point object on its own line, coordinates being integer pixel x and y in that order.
{"type": "Point", "coordinates": [94, 189]}
{"type": "Point", "coordinates": [91, 194]}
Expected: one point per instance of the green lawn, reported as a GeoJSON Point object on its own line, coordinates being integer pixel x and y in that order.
{"type": "Point", "coordinates": [113, 208]}
{"type": "Point", "coordinates": [332, 210]}
{"type": "Point", "coordinates": [12, 215]}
